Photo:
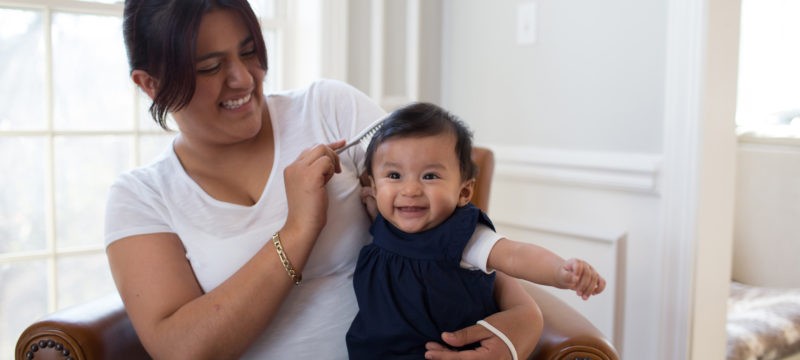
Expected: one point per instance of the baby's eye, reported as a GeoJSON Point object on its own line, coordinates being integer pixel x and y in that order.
{"type": "Point", "coordinates": [393, 175]}
{"type": "Point", "coordinates": [430, 176]}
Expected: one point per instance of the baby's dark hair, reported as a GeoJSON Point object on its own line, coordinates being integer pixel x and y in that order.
{"type": "Point", "coordinates": [425, 119]}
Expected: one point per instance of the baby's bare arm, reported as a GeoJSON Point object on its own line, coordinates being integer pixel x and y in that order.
{"type": "Point", "coordinates": [539, 265]}
{"type": "Point", "coordinates": [525, 261]}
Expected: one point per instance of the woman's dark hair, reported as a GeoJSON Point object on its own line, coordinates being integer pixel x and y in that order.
{"type": "Point", "coordinates": [160, 38]}
{"type": "Point", "coordinates": [420, 120]}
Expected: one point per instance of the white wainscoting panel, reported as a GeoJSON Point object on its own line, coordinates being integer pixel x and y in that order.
{"type": "Point", "coordinates": [606, 254]}
{"type": "Point", "coordinates": [602, 207]}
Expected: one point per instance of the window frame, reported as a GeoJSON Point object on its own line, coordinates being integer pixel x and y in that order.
{"type": "Point", "coordinates": [51, 254]}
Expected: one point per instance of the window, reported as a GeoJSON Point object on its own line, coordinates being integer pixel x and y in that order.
{"type": "Point", "coordinates": [71, 121]}
{"type": "Point", "coordinates": [769, 76]}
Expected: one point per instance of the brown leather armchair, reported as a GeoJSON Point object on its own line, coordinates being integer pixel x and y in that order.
{"type": "Point", "coordinates": [100, 329]}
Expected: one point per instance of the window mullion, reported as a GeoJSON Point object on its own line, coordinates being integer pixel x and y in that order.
{"type": "Point", "coordinates": [51, 245]}
{"type": "Point", "coordinates": [83, 7]}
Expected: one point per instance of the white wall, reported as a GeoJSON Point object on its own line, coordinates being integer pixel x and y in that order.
{"type": "Point", "coordinates": [715, 24]}
{"type": "Point", "coordinates": [592, 83]}
{"type": "Point", "coordinates": [594, 76]}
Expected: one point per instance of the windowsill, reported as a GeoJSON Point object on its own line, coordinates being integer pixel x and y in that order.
{"type": "Point", "coordinates": [770, 135]}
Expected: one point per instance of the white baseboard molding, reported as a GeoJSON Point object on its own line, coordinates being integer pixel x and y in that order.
{"type": "Point", "coordinates": [605, 249]}
{"type": "Point", "coordinates": [632, 172]}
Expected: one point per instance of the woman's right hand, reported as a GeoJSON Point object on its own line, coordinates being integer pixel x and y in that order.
{"type": "Point", "coordinates": [305, 181]}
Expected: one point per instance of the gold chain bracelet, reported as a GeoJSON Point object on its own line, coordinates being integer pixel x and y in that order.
{"type": "Point", "coordinates": [296, 276]}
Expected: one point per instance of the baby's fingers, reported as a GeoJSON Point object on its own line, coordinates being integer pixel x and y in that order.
{"type": "Point", "coordinates": [584, 277]}
{"type": "Point", "coordinates": [601, 285]}
{"type": "Point", "coordinates": [591, 284]}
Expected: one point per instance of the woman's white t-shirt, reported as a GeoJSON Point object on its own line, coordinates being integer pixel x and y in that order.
{"type": "Point", "coordinates": [220, 237]}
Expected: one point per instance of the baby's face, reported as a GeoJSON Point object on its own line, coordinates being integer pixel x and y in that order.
{"type": "Point", "coordinates": [417, 181]}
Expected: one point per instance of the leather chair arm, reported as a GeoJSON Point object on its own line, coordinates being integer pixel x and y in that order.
{"type": "Point", "coordinates": [99, 329]}
{"type": "Point", "coordinates": [567, 334]}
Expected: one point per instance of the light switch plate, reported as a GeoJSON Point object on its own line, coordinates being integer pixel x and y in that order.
{"type": "Point", "coordinates": [526, 23]}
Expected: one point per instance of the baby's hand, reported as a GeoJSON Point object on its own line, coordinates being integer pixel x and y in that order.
{"type": "Point", "coordinates": [578, 275]}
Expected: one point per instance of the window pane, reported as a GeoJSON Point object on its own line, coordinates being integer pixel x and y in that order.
{"type": "Point", "coordinates": [769, 78]}
{"type": "Point", "coordinates": [92, 90]}
{"type": "Point", "coordinates": [22, 95]}
{"type": "Point", "coordinates": [104, 1]}
{"type": "Point", "coordinates": [85, 168]}
{"type": "Point", "coordinates": [271, 81]}
{"type": "Point", "coordinates": [151, 146]}
{"type": "Point", "coordinates": [146, 122]}
{"type": "Point", "coordinates": [23, 299]}
{"type": "Point", "coordinates": [265, 9]}
{"type": "Point", "coordinates": [83, 278]}
{"type": "Point", "coordinates": [22, 194]}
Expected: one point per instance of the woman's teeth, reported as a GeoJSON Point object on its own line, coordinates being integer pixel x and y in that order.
{"type": "Point", "coordinates": [233, 104]}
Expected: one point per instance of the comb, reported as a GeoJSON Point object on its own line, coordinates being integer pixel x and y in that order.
{"type": "Point", "coordinates": [364, 136]}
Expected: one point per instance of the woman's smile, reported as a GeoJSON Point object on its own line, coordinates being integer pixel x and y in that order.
{"type": "Point", "coordinates": [236, 103]}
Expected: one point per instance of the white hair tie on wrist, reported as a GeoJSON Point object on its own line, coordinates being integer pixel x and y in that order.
{"type": "Point", "coordinates": [502, 336]}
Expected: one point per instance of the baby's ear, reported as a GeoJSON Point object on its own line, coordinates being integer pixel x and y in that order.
{"type": "Point", "coordinates": [365, 179]}
{"type": "Point", "coordinates": [467, 190]}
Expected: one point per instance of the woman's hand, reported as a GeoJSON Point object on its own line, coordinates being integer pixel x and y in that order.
{"type": "Point", "coordinates": [491, 346]}
{"type": "Point", "coordinates": [305, 181]}
{"type": "Point", "coordinates": [519, 319]}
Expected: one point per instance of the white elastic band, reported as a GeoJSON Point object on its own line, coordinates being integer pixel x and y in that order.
{"type": "Point", "coordinates": [502, 336]}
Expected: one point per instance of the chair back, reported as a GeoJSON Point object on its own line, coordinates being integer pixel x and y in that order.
{"type": "Point", "coordinates": [484, 159]}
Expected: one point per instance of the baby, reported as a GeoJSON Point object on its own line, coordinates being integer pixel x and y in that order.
{"type": "Point", "coordinates": [430, 267]}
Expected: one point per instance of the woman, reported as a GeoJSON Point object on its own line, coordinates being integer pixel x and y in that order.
{"type": "Point", "coordinates": [207, 243]}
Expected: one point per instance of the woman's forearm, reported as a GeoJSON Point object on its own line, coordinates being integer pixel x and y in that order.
{"type": "Point", "coordinates": [175, 319]}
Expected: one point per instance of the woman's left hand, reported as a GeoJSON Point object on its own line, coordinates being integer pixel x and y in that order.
{"type": "Point", "coordinates": [520, 319]}
{"type": "Point", "coordinates": [491, 346]}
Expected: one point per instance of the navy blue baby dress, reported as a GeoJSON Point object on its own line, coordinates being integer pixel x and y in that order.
{"type": "Point", "coordinates": [411, 287]}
